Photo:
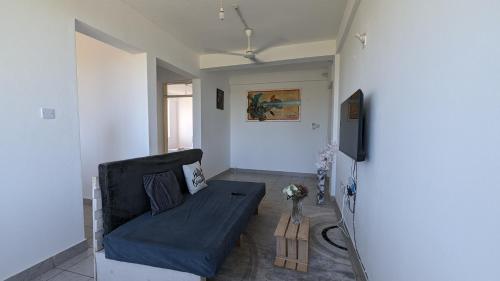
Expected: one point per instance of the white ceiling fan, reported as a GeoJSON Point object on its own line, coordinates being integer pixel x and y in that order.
{"type": "Point", "coordinates": [249, 53]}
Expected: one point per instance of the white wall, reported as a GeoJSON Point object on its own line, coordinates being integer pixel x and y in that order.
{"type": "Point", "coordinates": [428, 193]}
{"type": "Point", "coordinates": [180, 119]}
{"type": "Point", "coordinates": [280, 146]}
{"type": "Point", "coordinates": [173, 127]}
{"type": "Point", "coordinates": [41, 208]}
{"type": "Point", "coordinates": [185, 121]}
{"type": "Point", "coordinates": [215, 125]}
{"type": "Point", "coordinates": [112, 104]}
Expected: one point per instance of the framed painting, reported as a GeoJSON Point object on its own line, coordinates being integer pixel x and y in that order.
{"type": "Point", "coordinates": [273, 105]}
{"type": "Point", "coordinates": [220, 99]}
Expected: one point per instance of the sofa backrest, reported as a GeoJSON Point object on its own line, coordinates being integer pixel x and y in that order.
{"type": "Point", "coordinates": [121, 183]}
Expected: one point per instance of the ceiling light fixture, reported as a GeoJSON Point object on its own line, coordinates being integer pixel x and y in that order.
{"type": "Point", "coordinates": [221, 11]}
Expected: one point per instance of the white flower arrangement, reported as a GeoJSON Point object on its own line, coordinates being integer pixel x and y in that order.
{"type": "Point", "coordinates": [295, 191]}
{"type": "Point", "coordinates": [326, 156]}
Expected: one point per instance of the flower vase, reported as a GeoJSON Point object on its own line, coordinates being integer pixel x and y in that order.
{"type": "Point", "coordinates": [297, 211]}
{"type": "Point", "coordinates": [320, 197]}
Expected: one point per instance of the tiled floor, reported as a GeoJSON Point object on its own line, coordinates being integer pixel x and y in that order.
{"type": "Point", "coordinates": [81, 267]}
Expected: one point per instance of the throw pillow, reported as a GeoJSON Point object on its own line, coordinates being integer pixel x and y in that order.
{"type": "Point", "coordinates": [163, 191]}
{"type": "Point", "coordinates": [194, 177]}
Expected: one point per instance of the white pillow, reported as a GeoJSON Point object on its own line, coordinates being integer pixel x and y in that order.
{"type": "Point", "coordinates": [194, 177]}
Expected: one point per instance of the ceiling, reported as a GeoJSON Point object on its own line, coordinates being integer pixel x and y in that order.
{"type": "Point", "coordinates": [275, 22]}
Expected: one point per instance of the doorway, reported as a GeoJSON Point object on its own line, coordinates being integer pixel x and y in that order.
{"type": "Point", "coordinates": [178, 116]}
{"type": "Point", "coordinates": [112, 108]}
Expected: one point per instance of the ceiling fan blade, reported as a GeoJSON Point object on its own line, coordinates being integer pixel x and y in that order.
{"type": "Point", "coordinates": [269, 45]}
{"type": "Point", "coordinates": [224, 52]}
{"type": "Point", "coordinates": [256, 60]}
{"type": "Point", "coordinates": [240, 15]}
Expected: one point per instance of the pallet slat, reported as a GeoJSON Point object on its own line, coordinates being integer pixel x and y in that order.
{"type": "Point", "coordinates": [97, 220]}
{"type": "Point", "coordinates": [291, 231]}
{"type": "Point", "coordinates": [303, 249]}
{"type": "Point", "coordinates": [282, 225]}
{"type": "Point", "coordinates": [303, 233]}
{"type": "Point", "coordinates": [291, 247]}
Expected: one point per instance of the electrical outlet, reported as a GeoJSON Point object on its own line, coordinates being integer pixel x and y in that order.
{"type": "Point", "coordinates": [47, 113]}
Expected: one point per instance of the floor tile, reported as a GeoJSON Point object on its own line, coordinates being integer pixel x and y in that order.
{"type": "Point", "coordinates": [84, 267]}
{"type": "Point", "coordinates": [48, 275]}
{"type": "Point", "coordinates": [71, 262]}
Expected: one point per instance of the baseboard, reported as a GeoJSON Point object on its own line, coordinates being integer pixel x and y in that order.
{"type": "Point", "coordinates": [277, 173]}
{"type": "Point", "coordinates": [359, 272]}
{"type": "Point", "coordinates": [220, 174]}
{"type": "Point", "coordinates": [50, 263]}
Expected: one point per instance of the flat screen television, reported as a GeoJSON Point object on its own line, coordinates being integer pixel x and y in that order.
{"type": "Point", "coordinates": [351, 127]}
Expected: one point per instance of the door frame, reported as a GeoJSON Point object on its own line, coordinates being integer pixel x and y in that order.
{"type": "Point", "coordinates": [165, 98]}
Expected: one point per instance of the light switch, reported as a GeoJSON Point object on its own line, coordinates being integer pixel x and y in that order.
{"type": "Point", "coordinates": [48, 113]}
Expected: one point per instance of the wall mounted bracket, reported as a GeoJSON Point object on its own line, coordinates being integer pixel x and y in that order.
{"type": "Point", "coordinates": [362, 38]}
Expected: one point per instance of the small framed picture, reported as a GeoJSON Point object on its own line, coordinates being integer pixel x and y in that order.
{"type": "Point", "coordinates": [220, 99]}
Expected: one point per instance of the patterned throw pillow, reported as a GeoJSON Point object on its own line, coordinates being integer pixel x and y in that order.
{"type": "Point", "coordinates": [194, 177]}
{"type": "Point", "coordinates": [163, 190]}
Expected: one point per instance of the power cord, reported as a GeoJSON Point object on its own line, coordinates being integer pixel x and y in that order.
{"type": "Point", "coordinates": [348, 192]}
{"type": "Point", "coordinates": [354, 174]}
{"type": "Point", "coordinates": [340, 223]}
{"type": "Point", "coordinates": [353, 223]}
{"type": "Point", "coordinates": [355, 181]}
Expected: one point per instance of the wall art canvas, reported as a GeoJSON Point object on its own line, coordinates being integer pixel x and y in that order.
{"type": "Point", "coordinates": [220, 99]}
{"type": "Point", "coordinates": [274, 105]}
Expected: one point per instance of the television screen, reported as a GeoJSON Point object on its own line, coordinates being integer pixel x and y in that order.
{"type": "Point", "coordinates": [351, 127]}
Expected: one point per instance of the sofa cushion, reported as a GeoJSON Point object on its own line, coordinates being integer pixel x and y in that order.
{"type": "Point", "coordinates": [195, 179]}
{"type": "Point", "coordinates": [163, 191]}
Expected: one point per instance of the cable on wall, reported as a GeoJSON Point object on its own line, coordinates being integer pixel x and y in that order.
{"type": "Point", "coordinates": [355, 180]}
{"type": "Point", "coordinates": [349, 190]}
{"type": "Point", "coordinates": [340, 224]}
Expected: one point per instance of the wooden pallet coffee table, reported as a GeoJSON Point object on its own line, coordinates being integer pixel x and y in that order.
{"type": "Point", "coordinates": [292, 244]}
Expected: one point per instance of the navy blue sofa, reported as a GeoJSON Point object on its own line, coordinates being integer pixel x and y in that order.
{"type": "Point", "coordinates": [194, 237]}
